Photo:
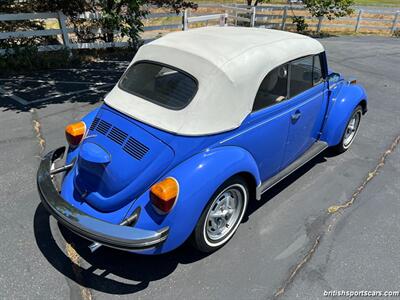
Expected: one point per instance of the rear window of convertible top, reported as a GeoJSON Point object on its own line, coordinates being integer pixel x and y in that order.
{"type": "Point", "coordinates": [160, 84]}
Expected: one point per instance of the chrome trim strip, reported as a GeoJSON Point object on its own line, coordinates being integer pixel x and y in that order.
{"type": "Point", "coordinates": [314, 150]}
{"type": "Point", "coordinates": [258, 191]}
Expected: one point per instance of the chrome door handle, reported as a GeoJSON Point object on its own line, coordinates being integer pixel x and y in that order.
{"type": "Point", "coordinates": [296, 116]}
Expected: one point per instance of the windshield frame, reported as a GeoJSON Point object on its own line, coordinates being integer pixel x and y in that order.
{"type": "Point", "coordinates": [152, 100]}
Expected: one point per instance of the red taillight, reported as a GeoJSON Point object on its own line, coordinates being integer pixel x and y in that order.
{"type": "Point", "coordinates": [75, 132]}
{"type": "Point", "coordinates": [163, 194]}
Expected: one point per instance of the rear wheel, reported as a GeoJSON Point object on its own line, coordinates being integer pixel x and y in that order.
{"type": "Point", "coordinates": [350, 131]}
{"type": "Point", "coordinates": [222, 215]}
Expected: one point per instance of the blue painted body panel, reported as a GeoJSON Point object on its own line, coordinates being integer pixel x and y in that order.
{"type": "Point", "coordinates": [312, 107]}
{"type": "Point", "coordinates": [92, 154]}
{"type": "Point", "coordinates": [343, 100]}
{"type": "Point", "coordinates": [263, 134]}
{"type": "Point", "coordinates": [70, 194]}
{"type": "Point", "coordinates": [198, 179]}
{"type": "Point", "coordinates": [109, 183]}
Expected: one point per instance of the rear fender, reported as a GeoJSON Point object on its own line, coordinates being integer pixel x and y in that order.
{"type": "Point", "coordinates": [198, 177]}
{"type": "Point", "coordinates": [342, 105]}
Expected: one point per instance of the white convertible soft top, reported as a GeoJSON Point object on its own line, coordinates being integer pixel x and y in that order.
{"type": "Point", "coordinates": [229, 64]}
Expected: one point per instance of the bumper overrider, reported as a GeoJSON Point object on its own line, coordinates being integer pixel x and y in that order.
{"type": "Point", "coordinates": [116, 236]}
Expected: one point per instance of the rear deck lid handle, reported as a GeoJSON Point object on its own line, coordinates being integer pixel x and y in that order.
{"type": "Point", "coordinates": [93, 153]}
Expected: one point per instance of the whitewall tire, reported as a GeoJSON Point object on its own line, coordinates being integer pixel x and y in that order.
{"type": "Point", "coordinates": [222, 215]}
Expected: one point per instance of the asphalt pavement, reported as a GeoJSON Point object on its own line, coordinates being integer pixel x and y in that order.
{"type": "Point", "coordinates": [289, 245]}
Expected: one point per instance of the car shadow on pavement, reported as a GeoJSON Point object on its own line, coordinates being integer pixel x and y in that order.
{"type": "Point", "coordinates": [128, 267]}
{"type": "Point", "coordinates": [86, 84]}
{"type": "Point", "coordinates": [118, 272]}
{"type": "Point", "coordinates": [90, 97]}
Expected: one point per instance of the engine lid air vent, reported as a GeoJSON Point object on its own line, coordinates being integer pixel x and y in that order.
{"type": "Point", "coordinates": [94, 124]}
{"type": "Point", "coordinates": [129, 144]}
{"type": "Point", "coordinates": [103, 127]}
{"type": "Point", "coordinates": [117, 135]}
{"type": "Point", "coordinates": [135, 148]}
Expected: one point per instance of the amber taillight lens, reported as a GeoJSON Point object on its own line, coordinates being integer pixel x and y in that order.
{"type": "Point", "coordinates": [74, 133]}
{"type": "Point", "coordinates": [164, 194]}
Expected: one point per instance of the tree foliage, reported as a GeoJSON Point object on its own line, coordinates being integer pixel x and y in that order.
{"type": "Point", "coordinates": [175, 5]}
{"type": "Point", "coordinates": [124, 16]}
{"type": "Point", "coordinates": [121, 15]}
{"type": "Point", "coordinates": [70, 7]}
{"type": "Point", "coordinates": [256, 2]}
{"type": "Point", "coordinates": [300, 22]}
{"type": "Point", "coordinates": [127, 16]}
{"type": "Point", "coordinates": [329, 9]}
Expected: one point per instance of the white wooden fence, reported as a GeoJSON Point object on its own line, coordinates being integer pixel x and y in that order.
{"type": "Point", "coordinates": [271, 16]}
{"type": "Point", "coordinates": [63, 31]}
{"type": "Point", "coordinates": [186, 20]}
{"type": "Point", "coordinates": [279, 17]}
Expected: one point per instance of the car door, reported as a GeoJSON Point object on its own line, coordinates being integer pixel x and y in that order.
{"type": "Point", "coordinates": [307, 95]}
{"type": "Point", "coordinates": [266, 128]}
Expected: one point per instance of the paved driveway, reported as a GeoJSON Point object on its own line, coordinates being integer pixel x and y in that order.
{"type": "Point", "coordinates": [289, 245]}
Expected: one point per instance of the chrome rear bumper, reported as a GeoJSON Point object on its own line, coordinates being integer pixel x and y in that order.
{"type": "Point", "coordinates": [96, 230]}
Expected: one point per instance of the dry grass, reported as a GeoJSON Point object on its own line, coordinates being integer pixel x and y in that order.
{"type": "Point", "coordinates": [395, 3]}
{"type": "Point", "coordinates": [382, 20]}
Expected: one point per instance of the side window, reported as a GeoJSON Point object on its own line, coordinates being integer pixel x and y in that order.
{"type": "Point", "coordinates": [304, 74]}
{"type": "Point", "coordinates": [317, 70]}
{"type": "Point", "coordinates": [273, 88]}
{"type": "Point", "coordinates": [301, 75]}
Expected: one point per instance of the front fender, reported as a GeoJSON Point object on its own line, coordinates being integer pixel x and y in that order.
{"type": "Point", "coordinates": [342, 105]}
{"type": "Point", "coordinates": [198, 177]}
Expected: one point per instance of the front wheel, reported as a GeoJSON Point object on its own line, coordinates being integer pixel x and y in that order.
{"type": "Point", "coordinates": [222, 215]}
{"type": "Point", "coordinates": [350, 131]}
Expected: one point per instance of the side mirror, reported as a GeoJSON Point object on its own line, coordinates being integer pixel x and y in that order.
{"type": "Point", "coordinates": [333, 78]}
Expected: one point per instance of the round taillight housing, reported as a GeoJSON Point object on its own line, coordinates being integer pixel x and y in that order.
{"type": "Point", "coordinates": [164, 194]}
{"type": "Point", "coordinates": [75, 132]}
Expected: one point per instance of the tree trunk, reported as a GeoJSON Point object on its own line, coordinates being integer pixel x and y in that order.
{"type": "Point", "coordinates": [109, 35]}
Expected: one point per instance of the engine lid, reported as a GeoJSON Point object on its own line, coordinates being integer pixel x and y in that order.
{"type": "Point", "coordinates": [117, 161]}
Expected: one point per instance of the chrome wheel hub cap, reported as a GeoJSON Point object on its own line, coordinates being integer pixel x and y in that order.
{"type": "Point", "coordinates": [351, 129]}
{"type": "Point", "coordinates": [224, 213]}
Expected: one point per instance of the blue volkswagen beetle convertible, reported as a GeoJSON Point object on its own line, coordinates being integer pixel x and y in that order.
{"type": "Point", "coordinates": [201, 122]}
